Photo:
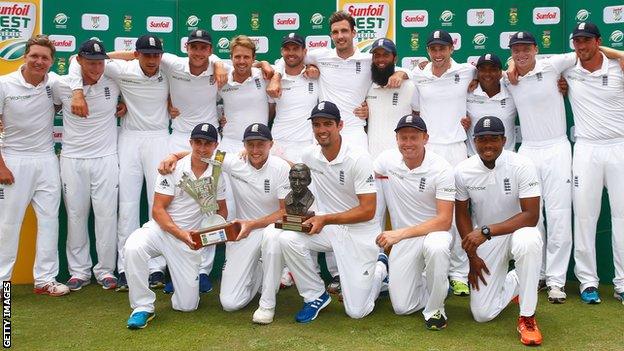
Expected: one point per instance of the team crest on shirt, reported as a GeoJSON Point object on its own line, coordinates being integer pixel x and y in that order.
{"type": "Point", "coordinates": [267, 186]}
{"type": "Point", "coordinates": [507, 186]}
{"type": "Point", "coordinates": [539, 76]}
{"type": "Point", "coordinates": [576, 181]}
{"type": "Point", "coordinates": [49, 91]}
{"type": "Point", "coordinates": [358, 67]}
{"type": "Point", "coordinates": [160, 79]}
{"type": "Point", "coordinates": [395, 99]}
{"type": "Point", "coordinates": [503, 103]}
{"type": "Point", "coordinates": [456, 78]}
{"type": "Point", "coordinates": [341, 177]}
{"type": "Point", "coordinates": [107, 93]}
{"type": "Point", "coordinates": [310, 87]}
{"type": "Point", "coordinates": [605, 80]}
{"type": "Point", "coordinates": [211, 79]}
{"type": "Point", "coordinates": [1, 193]}
{"type": "Point", "coordinates": [258, 84]}
{"type": "Point", "coordinates": [422, 185]}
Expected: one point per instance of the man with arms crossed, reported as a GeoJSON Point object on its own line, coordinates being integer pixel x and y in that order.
{"type": "Point", "coordinates": [345, 222]}
{"type": "Point", "coordinates": [420, 193]}
{"type": "Point", "coordinates": [29, 169]}
{"type": "Point", "coordinates": [501, 191]}
{"type": "Point", "coordinates": [175, 215]}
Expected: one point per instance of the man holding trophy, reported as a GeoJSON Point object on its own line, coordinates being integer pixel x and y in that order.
{"type": "Point", "coordinates": [191, 197]}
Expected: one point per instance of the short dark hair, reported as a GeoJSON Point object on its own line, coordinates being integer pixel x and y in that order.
{"type": "Point", "coordinates": [41, 40]}
{"type": "Point", "coordinates": [342, 16]}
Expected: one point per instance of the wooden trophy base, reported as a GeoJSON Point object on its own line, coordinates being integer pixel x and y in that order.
{"type": "Point", "coordinates": [216, 234]}
{"type": "Point", "coordinates": [295, 222]}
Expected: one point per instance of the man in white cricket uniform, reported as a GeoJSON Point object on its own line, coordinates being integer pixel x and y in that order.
{"type": "Point", "coordinates": [344, 223]}
{"type": "Point", "coordinates": [345, 77]}
{"type": "Point", "coordinates": [500, 190]}
{"type": "Point", "coordinates": [491, 98]}
{"type": "Point", "coordinates": [420, 193]}
{"type": "Point", "coordinates": [291, 129]}
{"type": "Point", "coordinates": [596, 88]}
{"type": "Point", "coordinates": [260, 184]}
{"type": "Point", "coordinates": [90, 170]}
{"type": "Point", "coordinates": [386, 107]}
{"type": "Point", "coordinates": [175, 215]}
{"type": "Point", "coordinates": [442, 88]}
{"type": "Point", "coordinates": [29, 169]}
{"type": "Point", "coordinates": [544, 140]}
{"type": "Point", "coordinates": [143, 138]}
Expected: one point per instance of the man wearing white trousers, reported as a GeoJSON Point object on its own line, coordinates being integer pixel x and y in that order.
{"type": "Point", "coordinates": [345, 223]}
{"type": "Point", "coordinates": [143, 138]}
{"type": "Point", "coordinates": [89, 170]}
{"type": "Point", "coordinates": [442, 89]}
{"type": "Point", "coordinates": [175, 215]}
{"type": "Point", "coordinates": [500, 190]}
{"type": "Point", "coordinates": [260, 184]}
{"type": "Point", "coordinates": [420, 190]}
{"type": "Point", "coordinates": [29, 169]}
{"type": "Point", "coordinates": [596, 87]}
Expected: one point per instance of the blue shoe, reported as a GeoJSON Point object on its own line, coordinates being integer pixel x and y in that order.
{"type": "Point", "coordinates": [139, 320]}
{"type": "Point", "coordinates": [619, 296]}
{"type": "Point", "coordinates": [168, 289]}
{"type": "Point", "coordinates": [383, 258]}
{"type": "Point", "coordinates": [311, 309]}
{"type": "Point", "coordinates": [122, 283]}
{"type": "Point", "coordinates": [157, 280]}
{"type": "Point", "coordinates": [590, 296]}
{"type": "Point", "coordinates": [205, 285]}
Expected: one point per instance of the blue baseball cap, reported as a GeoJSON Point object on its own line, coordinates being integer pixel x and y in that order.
{"type": "Point", "coordinates": [385, 44]}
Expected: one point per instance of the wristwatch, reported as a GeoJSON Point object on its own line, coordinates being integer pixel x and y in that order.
{"type": "Point", "coordinates": [485, 230]}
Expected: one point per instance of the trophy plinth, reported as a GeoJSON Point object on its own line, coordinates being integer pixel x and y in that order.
{"type": "Point", "coordinates": [215, 234]}
{"type": "Point", "coordinates": [295, 222]}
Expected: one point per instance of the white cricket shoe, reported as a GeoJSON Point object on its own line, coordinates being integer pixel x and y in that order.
{"type": "Point", "coordinates": [556, 295]}
{"type": "Point", "coordinates": [263, 315]}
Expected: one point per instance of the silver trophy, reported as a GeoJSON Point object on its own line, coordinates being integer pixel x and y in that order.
{"type": "Point", "coordinates": [203, 191]}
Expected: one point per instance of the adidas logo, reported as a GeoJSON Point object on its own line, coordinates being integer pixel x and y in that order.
{"type": "Point", "coordinates": [164, 183]}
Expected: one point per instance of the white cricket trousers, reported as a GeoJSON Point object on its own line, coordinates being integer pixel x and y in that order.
{"type": "Point", "coordinates": [244, 272]}
{"type": "Point", "coordinates": [37, 181]}
{"type": "Point", "coordinates": [91, 182]}
{"type": "Point", "coordinates": [179, 141]}
{"type": "Point", "coordinates": [525, 247]}
{"type": "Point", "coordinates": [418, 274]}
{"type": "Point", "coordinates": [597, 164]}
{"type": "Point", "coordinates": [149, 242]}
{"type": "Point", "coordinates": [356, 254]}
{"type": "Point", "coordinates": [553, 160]}
{"type": "Point", "coordinates": [454, 154]}
{"type": "Point", "coordinates": [139, 152]}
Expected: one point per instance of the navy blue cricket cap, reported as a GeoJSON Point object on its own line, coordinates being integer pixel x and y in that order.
{"type": "Point", "coordinates": [204, 131]}
{"type": "Point", "coordinates": [149, 44]}
{"type": "Point", "coordinates": [522, 38]}
{"type": "Point", "coordinates": [586, 29]}
{"type": "Point", "coordinates": [325, 109]}
{"type": "Point", "coordinates": [257, 131]}
{"type": "Point", "coordinates": [411, 122]}
{"type": "Point", "coordinates": [489, 125]}
{"type": "Point", "coordinates": [293, 38]}
{"type": "Point", "coordinates": [199, 36]}
{"type": "Point", "coordinates": [385, 44]}
{"type": "Point", "coordinates": [491, 59]}
{"type": "Point", "coordinates": [440, 37]}
{"type": "Point", "coordinates": [92, 50]}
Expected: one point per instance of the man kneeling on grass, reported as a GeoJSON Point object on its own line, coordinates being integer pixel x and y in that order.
{"type": "Point", "coordinates": [175, 214]}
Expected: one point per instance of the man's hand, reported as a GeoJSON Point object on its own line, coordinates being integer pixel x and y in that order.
{"type": "Point", "coordinates": [274, 88]}
{"type": "Point", "coordinates": [185, 237]}
{"type": "Point", "coordinates": [477, 267]}
{"type": "Point", "coordinates": [361, 111]}
{"type": "Point", "coordinates": [465, 122]}
{"type": "Point", "coordinates": [267, 70]}
{"type": "Point", "coordinates": [222, 122]}
{"type": "Point", "coordinates": [622, 63]}
{"type": "Point", "coordinates": [388, 238]}
{"type": "Point", "coordinates": [173, 111]}
{"type": "Point", "coordinates": [422, 64]}
{"type": "Point", "coordinates": [168, 165]}
{"type": "Point", "coordinates": [220, 75]}
{"type": "Point", "coordinates": [6, 177]}
{"type": "Point", "coordinates": [473, 85]}
{"type": "Point", "coordinates": [121, 110]}
{"type": "Point", "coordinates": [562, 84]}
{"type": "Point", "coordinates": [512, 73]}
{"type": "Point", "coordinates": [396, 79]}
{"type": "Point", "coordinates": [79, 105]}
{"type": "Point", "coordinates": [311, 72]}
{"type": "Point", "coordinates": [246, 228]}
{"type": "Point", "coordinates": [471, 242]}
{"type": "Point", "coordinates": [318, 223]}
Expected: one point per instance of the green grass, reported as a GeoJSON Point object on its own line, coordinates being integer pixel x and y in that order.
{"type": "Point", "coordinates": [94, 319]}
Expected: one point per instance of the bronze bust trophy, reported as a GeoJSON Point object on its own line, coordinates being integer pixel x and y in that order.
{"type": "Point", "coordinates": [298, 201]}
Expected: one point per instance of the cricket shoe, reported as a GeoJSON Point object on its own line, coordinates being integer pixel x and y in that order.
{"type": "Point", "coordinates": [310, 310]}
{"type": "Point", "coordinates": [157, 280]}
{"type": "Point", "coordinates": [436, 322]}
{"type": "Point", "coordinates": [459, 288]}
{"type": "Point", "coordinates": [108, 283]}
{"type": "Point", "coordinates": [556, 295]}
{"type": "Point", "coordinates": [75, 284]}
{"type": "Point", "coordinates": [591, 296]}
{"type": "Point", "coordinates": [263, 315]}
{"type": "Point", "coordinates": [122, 283]}
{"type": "Point", "coordinates": [287, 280]}
{"type": "Point", "coordinates": [619, 296]}
{"type": "Point", "coordinates": [334, 286]}
{"type": "Point", "coordinates": [52, 288]}
{"type": "Point", "coordinates": [139, 320]}
{"type": "Point", "coordinates": [529, 332]}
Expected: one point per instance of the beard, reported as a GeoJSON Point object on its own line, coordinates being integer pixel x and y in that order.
{"type": "Point", "coordinates": [380, 76]}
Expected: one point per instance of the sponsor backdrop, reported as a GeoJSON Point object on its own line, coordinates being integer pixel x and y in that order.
{"type": "Point", "coordinates": [476, 29]}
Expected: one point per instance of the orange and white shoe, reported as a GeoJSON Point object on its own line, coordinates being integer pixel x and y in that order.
{"type": "Point", "coordinates": [52, 288]}
{"type": "Point", "coordinates": [529, 332]}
